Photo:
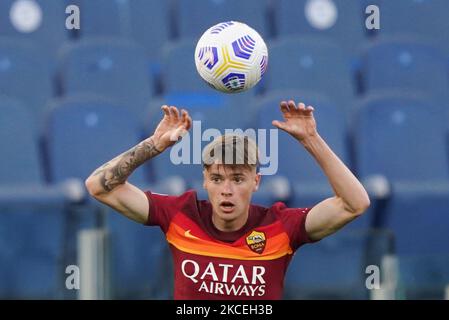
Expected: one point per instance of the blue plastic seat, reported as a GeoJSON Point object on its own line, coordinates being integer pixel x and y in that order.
{"type": "Point", "coordinates": [399, 64]}
{"type": "Point", "coordinates": [309, 64]}
{"type": "Point", "coordinates": [424, 20]}
{"type": "Point", "coordinates": [112, 68]}
{"type": "Point", "coordinates": [196, 16]}
{"type": "Point", "coordinates": [145, 21]}
{"type": "Point", "coordinates": [40, 21]}
{"type": "Point", "coordinates": [339, 20]}
{"type": "Point", "coordinates": [180, 74]}
{"type": "Point", "coordinates": [24, 75]}
{"type": "Point", "coordinates": [393, 125]}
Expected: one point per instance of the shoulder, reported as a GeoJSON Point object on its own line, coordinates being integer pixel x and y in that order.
{"type": "Point", "coordinates": [189, 195]}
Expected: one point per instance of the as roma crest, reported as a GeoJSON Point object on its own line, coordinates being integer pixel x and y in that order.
{"type": "Point", "coordinates": [256, 241]}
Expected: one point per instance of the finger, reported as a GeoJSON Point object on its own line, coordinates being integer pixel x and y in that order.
{"type": "Point", "coordinates": [185, 119]}
{"type": "Point", "coordinates": [292, 105]}
{"type": "Point", "coordinates": [166, 110]}
{"type": "Point", "coordinates": [183, 116]}
{"type": "Point", "coordinates": [301, 106]}
{"type": "Point", "coordinates": [189, 122]}
{"type": "Point", "coordinates": [278, 124]}
{"type": "Point", "coordinates": [310, 108]}
{"type": "Point", "coordinates": [284, 107]}
{"type": "Point", "coordinates": [174, 113]}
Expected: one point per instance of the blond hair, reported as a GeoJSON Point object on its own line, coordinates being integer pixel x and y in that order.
{"type": "Point", "coordinates": [233, 150]}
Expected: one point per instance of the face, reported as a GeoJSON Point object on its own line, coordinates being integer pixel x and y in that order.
{"type": "Point", "coordinates": [230, 190]}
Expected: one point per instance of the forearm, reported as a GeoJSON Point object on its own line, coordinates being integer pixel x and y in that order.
{"type": "Point", "coordinates": [115, 172]}
{"type": "Point", "coordinates": [345, 185]}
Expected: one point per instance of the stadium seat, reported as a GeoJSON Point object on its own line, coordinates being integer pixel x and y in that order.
{"type": "Point", "coordinates": [32, 230]}
{"type": "Point", "coordinates": [20, 58]}
{"type": "Point", "coordinates": [422, 20]}
{"type": "Point", "coordinates": [333, 268]}
{"type": "Point", "coordinates": [393, 125]}
{"type": "Point", "coordinates": [145, 21]}
{"type": "Point", "coordinates": [180, 75]}
{"type": "Point", "coordinates": [18, 132]}
{"type": "Point", "coordinates": [99, 131]}
{"type": "Point", "coordinates": [112, 68]}
{"type": "Point", "coordinates": [39, 21]}
{"type": "Point", "coordinates": [339, 20]}
{"type": "Point", "coordinates": [311, 65]}
{"type": "Point", "coordinates": [196, 16]}
{"type": "Point", "coordinates": [399, 64]}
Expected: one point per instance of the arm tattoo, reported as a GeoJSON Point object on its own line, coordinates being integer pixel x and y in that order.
{"type": "Point", "coordinates": [117, 171]}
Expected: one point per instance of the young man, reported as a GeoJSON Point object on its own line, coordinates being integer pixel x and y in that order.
{"type": "Point", "coordinates": [227, 248]}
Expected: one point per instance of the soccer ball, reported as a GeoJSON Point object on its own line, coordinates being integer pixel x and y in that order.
{"type": "Point", "coordinates": [231, 57]}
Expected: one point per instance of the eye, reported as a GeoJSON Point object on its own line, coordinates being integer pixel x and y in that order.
{"type": "Point", "coordinates": [215, 179]}
{"type": "Point", "coordinates": [238, 180]}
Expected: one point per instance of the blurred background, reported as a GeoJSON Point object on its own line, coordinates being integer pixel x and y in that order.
{"type": "Point", "coordinates": [71, 100]}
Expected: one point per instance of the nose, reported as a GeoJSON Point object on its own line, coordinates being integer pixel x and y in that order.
{"type": "Point", "coordinates": [227, 189]}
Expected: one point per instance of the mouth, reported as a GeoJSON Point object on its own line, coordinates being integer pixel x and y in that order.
{"type": "Point", "coordinates": [227, 206]}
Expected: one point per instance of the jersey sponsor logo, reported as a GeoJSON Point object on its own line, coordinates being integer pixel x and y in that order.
{"type": "Point", "coordinates": [187, 234]}
{"type": "Point", "coordinates": [225, 279]}
{"type": "Point", "coordinates": [256, 241]}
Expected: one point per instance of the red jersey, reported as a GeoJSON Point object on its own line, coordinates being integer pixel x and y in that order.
{"type": "Point", "coordinates": [211, 264]}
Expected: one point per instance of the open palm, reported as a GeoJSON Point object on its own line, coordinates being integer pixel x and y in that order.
{"type": "Point", "coordinates": [172, 127]}
{"type": "Point", "coordinates": [298, 120]}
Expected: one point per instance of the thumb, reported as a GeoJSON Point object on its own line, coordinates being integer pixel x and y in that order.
{"type": "Point", "coordinates": [280, 125]}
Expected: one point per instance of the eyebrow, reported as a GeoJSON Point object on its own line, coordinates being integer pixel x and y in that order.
{"type": "Point", "coordinates": [232, 174]}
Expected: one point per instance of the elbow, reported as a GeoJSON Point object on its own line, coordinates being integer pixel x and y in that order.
{"type": "Point", "coordinates": [93, 187]}
{"type": "Point", "coordinates": [361, 206]}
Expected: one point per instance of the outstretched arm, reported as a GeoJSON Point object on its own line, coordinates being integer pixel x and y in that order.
{"type": "Point", "coordinates": [350, 199]}
{"type": "Point", "coordinates": [108, 183]}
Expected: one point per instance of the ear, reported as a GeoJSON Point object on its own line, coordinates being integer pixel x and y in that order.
{"type": "Point", "coordinates": [258, 178]}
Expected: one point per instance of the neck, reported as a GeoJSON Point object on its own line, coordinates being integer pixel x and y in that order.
{"type": "Point", "coordinates": [230, 225]}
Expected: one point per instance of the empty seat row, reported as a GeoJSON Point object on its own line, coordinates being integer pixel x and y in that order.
{"type": "Point", "coordinates": [118, 70]}
{"type": "Point", "coordinates": [153, 23]}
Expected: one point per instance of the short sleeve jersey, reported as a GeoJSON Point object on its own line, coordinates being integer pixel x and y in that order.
{"type": "Point", "coordinates": [249, 263]}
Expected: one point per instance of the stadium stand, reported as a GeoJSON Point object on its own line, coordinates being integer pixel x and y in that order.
{"type": "Point", "coordinates": [39, 21]}
{"type": "Point", "coordinates": [195, 16]}
{"type": "Point", "coordinates": [312, 65]}
{"type": "Point", "coordinates": [392, 140]}
{"type": "Point", "coordinates": [19, 58]}
{"type": "Point", "coordinates": [78, 126]}
{"type": "Point", "coordinates": [113, 68]}
{"type": "Point", "coordinates": [421, 20]}
{"type": "Point", "coordinates": [147, 22]}
{"type": "Point", "coordinates": [339, 20]}
{"type": "Point", "coordinates": [32, 218]}
{"type": "Point", "coordinates": [403, 65]}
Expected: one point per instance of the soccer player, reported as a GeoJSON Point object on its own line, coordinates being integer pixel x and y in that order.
{"type": "Point", "coordinates": [228, 248]}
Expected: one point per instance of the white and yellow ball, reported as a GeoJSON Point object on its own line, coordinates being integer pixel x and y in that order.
{"type": "Point", "coordinates": [231, 57]}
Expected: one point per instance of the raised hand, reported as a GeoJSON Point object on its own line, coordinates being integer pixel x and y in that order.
{"type": "Point", "coordinates": [298, 120]}
{"type": "Point", "coordinates": [172, 127]}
